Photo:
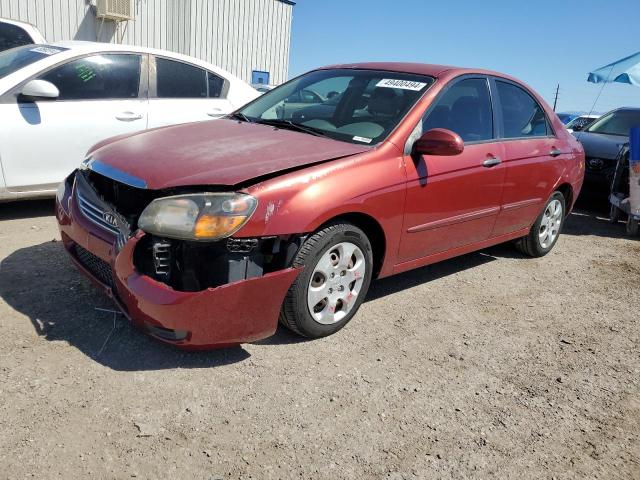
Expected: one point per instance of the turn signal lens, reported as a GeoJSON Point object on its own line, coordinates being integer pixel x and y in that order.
{"type": "Point", "coordinates": [203, 216]}
{"type": "Point", "coordinates": [208, 227]}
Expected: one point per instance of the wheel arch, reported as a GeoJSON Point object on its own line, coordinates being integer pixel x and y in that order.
{"type": "Point", "coordinates": [374, 231]}
{"type": "Point", "coordinates": [567, 191]}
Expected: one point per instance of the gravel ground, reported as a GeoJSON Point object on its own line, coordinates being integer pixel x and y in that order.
{"type": "Point", "coordinates": [489, 365]}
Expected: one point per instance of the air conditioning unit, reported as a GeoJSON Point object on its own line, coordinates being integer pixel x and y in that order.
{"type": "Point", "coordinates": [116, 10]}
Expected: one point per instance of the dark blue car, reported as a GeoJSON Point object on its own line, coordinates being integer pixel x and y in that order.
{"type": "Point", "coordinates": [602, 142]}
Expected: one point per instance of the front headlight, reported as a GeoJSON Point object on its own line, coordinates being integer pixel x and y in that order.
{"type": "Point", "coordinates": [201, 216]}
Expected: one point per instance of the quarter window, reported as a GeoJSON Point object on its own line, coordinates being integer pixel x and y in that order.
{"type": "Point", "coordinates": [215, 85]}
{"type": "Point", "coordinates": [522, 116]}
{"type": "Point", "coordinates": [465, 108]}
{"type": "Point", "coordinates": [98, 77]}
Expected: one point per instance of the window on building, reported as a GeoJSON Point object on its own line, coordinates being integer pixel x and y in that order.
{"type": "Point", "coordinates": [465, 108]}
{"type": "Point", "coordinates": [97, 77]}
{"type": "Point", "coordinates": [522, 116]}
{"type": "Point", "coordinates": [260, 78]}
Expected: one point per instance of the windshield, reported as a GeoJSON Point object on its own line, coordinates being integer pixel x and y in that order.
{"type": "Point", "coordinates": [356, 106]}
{"type": "Point", "coordinates": [618, 122]}
{"type": "Point", "coordinates": [581, 122]}
{"type": "Point", "coordinates": [17, 58]}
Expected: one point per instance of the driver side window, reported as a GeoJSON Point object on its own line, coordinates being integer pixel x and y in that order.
{"type": "Point", "coordinates": [97, 77]}
{"type": "Point", "coordinates": [465, 108]}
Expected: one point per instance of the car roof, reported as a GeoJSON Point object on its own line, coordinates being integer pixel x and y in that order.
{"type": "Point", "coordinates": [16, 22]}
{"type": "Point", "coordinates": [428, 69]}
{"type": "Point", "coordinates": [83, 46]}
{"type": "Point", "coordinates": [77, 47]}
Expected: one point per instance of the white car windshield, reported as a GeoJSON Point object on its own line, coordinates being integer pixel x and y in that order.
{"type": "Point", "coordinates": [356, 106]}
{"type": "Point", "coordinates": [20, 57]}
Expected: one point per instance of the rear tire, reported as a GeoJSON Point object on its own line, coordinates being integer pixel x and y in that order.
{"type": "Point", "coordinates": [546, 230]}
{"type": "Point", "coordinates": [338, 266]}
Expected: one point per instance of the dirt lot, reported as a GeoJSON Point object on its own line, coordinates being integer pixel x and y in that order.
{"type": "Point", "coordinates": [487, 365]}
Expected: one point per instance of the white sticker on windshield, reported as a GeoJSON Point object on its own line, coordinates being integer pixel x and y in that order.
{"type": "Point", "coordinates": [362, 139]}
{"type": "Point", "coordinates": [403, 84]}
{"type": "Point", "coordinates": [46, 50]}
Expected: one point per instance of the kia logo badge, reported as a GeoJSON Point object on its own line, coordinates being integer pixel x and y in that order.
{"type": "Point", "coordinates": [110, 218]}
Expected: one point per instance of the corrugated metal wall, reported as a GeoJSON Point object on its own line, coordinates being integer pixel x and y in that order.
{"type": "Point", "coordinates": [237, 35]}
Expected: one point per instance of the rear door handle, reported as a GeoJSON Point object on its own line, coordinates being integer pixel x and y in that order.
{"type": "Point", "coordinates": [555, 152]}
{"type": "Point", "coordinates": [128, 116]}
{"type": "Point", "coordinates": [491, 162]}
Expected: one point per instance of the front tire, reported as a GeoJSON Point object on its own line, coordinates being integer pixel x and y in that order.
{"type": "Point", "coordinates": [338, 266]}
{"type": "Point", "coordinates": [546, 230]}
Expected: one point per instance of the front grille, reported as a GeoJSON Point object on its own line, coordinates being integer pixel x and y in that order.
{"type": "Point", "coordinates": [95, 213]}
{"type": "Point", "coordinates": [95, 265]}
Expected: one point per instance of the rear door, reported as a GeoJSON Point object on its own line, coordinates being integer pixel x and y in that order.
{"type": "Point", "coordinates": [101, 96]}
{"type": "Point", "coordinates": [454, 201]}
{"type": "Point", "coordinates": [534, 157]}
{"type": "Point", "coordinates": [181, 92]}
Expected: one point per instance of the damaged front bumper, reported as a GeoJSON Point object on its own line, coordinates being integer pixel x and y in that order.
{"type": "Point", "coordinates": [230, 314]}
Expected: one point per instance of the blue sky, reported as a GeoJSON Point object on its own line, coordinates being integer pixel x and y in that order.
{"type": "Point", "coordinates": [543, 43]}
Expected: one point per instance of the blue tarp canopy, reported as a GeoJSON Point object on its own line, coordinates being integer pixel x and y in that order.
{"type": "Point", "coordinates": [626, 70]}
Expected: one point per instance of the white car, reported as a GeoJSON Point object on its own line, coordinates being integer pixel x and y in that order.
{"type": "Point", "coordinates": [59, 99]}
{"type": "Point", "coordinates": [15, 34]}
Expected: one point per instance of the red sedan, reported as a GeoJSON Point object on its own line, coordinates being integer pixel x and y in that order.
{"type": "Point", "coordinates": [206, 234]}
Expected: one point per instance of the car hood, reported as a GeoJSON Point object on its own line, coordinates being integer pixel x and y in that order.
{"type": "Point", "coordinates": [220, 152]}
{"type": "Point", "coordinates": [601, 145]}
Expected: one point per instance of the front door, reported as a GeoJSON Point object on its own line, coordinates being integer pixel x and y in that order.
{"type": "Point", "coordinates": [454, 201]}
{"type": "Point", "coordinates": [46, 140]}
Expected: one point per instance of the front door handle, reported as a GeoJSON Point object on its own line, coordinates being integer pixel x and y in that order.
{"type": "Point", "coordinates": [128, 116]}
{"type": "Point", "coordinates": [491, 162]}
{"type": "Point", "coordinates": [555, 152]}
{"type": "Point", "coordinates": [215, 112]}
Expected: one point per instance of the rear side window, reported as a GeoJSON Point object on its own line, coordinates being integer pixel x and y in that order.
{"type": "Point", "coordinates": [12, 36]}
{"type": "Point", "coordinates": [97, 77]}
{"type": "Point", "coordinates": [465, 108]}
{"type": "Point", "coordinates": [180, 80]}
{"type": "Point", "coordinates": [522, 116]}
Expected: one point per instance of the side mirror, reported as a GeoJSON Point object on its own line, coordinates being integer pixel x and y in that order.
{"type": "Point", "coordinates": [577, 127]}
{"type": "Point", "coordinates": [40, 89]}
{"type": "Point", "coordinates": [439, 141]}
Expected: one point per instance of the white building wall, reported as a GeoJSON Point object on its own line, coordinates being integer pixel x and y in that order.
{"type": "Point", "coordinates": [237, 35]}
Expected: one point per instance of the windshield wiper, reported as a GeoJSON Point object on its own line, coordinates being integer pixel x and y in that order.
{"type": "Point", "coordinates": [280, 123]}
{"type": "Point", "coordinates": [241, 116]}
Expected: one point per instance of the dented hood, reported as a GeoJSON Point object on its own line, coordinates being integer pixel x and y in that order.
{"type": "Point", "coordinates": [220, 152]}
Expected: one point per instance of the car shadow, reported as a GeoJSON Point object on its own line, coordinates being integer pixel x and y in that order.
{"type": "Point", "coordinates": [403, 281]}
{"type": "Point", "coordinates": [27, 209]}
{"type": "Point", "coordinates": [591, 217]}
{"type": "Point", "coordinates": [41, 283]}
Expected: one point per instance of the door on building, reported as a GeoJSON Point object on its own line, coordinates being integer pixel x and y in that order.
{"type": "Point", "coordinates": [180, 92]}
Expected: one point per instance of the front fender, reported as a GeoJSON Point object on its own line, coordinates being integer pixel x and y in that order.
{"type": "Point", "coordinates": [372, 183]}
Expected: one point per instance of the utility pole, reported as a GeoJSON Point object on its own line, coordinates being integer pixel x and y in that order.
{"type": "Point", "coordinates": [555, 101]}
